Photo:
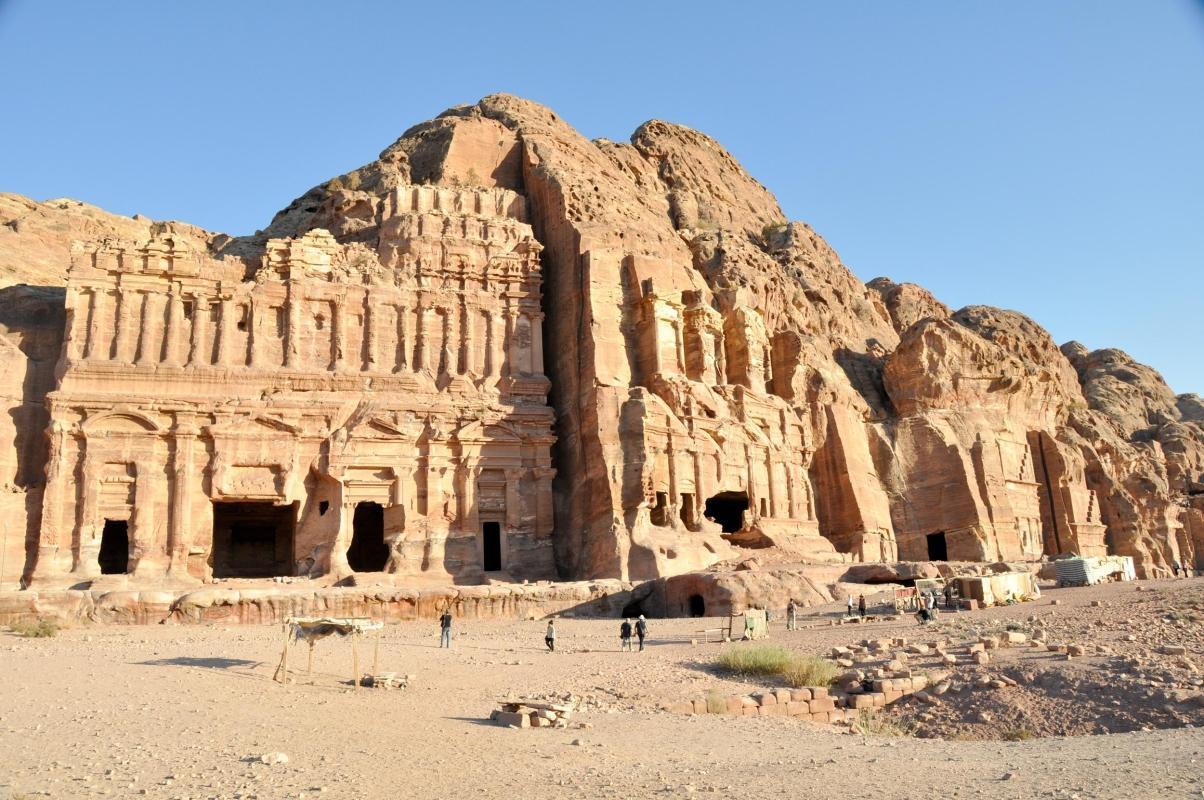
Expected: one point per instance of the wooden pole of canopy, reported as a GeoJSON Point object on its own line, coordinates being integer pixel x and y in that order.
{"type": "Point", "coordinates": [376, 655]}
{"type": "Point", "coordinates": [282, 668]}
{"type": "Point", "coordinates": [355, 660]}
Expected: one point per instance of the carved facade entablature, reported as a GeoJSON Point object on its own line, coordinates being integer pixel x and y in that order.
{"type": "Point", "coordinates": [254, 458]}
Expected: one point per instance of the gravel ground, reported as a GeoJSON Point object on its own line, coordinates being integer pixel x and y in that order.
{"type": "Point", "coordinates": [186, 712]}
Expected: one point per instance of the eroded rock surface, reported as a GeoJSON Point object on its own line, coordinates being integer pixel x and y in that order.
{"type": "Point", "coordinates": [402, 335]}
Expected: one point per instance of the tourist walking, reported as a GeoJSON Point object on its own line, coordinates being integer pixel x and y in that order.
{"type": "Point", "coordinates": [625, 635]}
{"type": "Point", "coordinates": [1175, 566]}
{"type": "Point", "coordinates": [861, 605]}
{"type": "Point", "coordinates": [791, 616]}
{"type": "Point", "coordinates": [445, 623]}
{"type": "Point", "coordinates": [850, 606]}
{"type": "Point", "coordinates": [549, 638]}
{"type": "Point", "coordinates": [641, 630]}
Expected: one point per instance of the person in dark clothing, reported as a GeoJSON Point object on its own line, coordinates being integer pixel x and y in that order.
{"type": "Point", "coordinates": [948, 595]}
{"type": "Point", "coordinates": [445, 623]}
{"type": "Point", "coordinates": [861, 605]}
{"type": "Point", "coordinates": [641, 630]}
{"type": "Point", "coordinates": [625, 635]}
{"type": "Point", "coordinates": [549, 638]}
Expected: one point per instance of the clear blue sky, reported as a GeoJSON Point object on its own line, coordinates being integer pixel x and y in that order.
{"type": "Point", "coordinates": [1036, 155]}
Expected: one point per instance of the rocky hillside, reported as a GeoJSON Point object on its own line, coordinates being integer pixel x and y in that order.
{"type": "Point", "coordinates": [925, 432]}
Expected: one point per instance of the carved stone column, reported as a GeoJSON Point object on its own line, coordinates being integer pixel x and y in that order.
{"type": "Point", "coordinates": [254, 358]}
{"type": "Point", "coordinates": [673, 504]}
{"type": "Point", "coordinates": [59, 474]}
{"type": "Point", "coordinates": [175, 327]}
{"type": "Point", "coordinates": [447, 363]}
{"type": "Point", "coordinates": [292, 344]}
{"type": "Point", "coordinates": [87, 543]}
{"type": "Point", "coordinates": [150, 319]}
{"type": "Point", "coordinates": [148, 552]}
{"type": "Point", "coordinates": [537, 367]}
{"type": "Point", "coordinates": [403, 358]}
{"type": "Point", "coordinates": [370, 339]}
{"type": "Point", "coordinates": [339, 332]}
{"type": "Point", "coordinates": [198, 352]}
{"type": "Point", "coordinates": [472, 515]}
{"type": "Point", "coordinates": [123, 319]}
{"type": "Point", "coordinates": [544, 517]}
{"type": "Point", "coordinates": [225, 333]}
{"type": "Point", "coordinates": [511, 342]}
{"type": "Point", "coordinates": [514, 477]}
{"type": "Point", "coordinates": [466, 348]}
{"type": "Point", "coordinates": [420, 355]}
{"type": "Point", "coordinates": [179, 538]}
{"type": "Point", "coordinates": [96, 346]}
{"type": "Point", "coordinates": [81, 305]}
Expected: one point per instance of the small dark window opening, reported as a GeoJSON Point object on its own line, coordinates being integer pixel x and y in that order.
{"type": "Point", "coordinates": [697, 606]}
{"type": "Point", "coordinates": [764, 507]}
{"type": "Point", "coordinates": [188, 309]}
{"type": "Point", "coordinates": [281, 321]}
{"type": "Point", "coordinates": [491, 541]}
{"type": "Point", "coordinates": [114, 555]}
{"type": "Point", "coordinates": [242, 318]}
{"type": "Point", "coordinates": [660, 512]}
{"type": "Point", "coordinates": [323, 507]}
{"type": "Point", "coordinates": [368, 551]}
{"type": "Point", "coordinates": [727, 508]}
{"type": "Point", "coordinates": [320, 322]}
{"type": "Point", "coordinates": [938, 548]}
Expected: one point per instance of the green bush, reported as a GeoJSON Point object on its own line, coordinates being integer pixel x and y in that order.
{"type": "Point", "coordinates": [809, 671]}
{"type": "Point", "coordinates": [38, 629]}
{"type": "Point", "coordinates": [716, 702]}
{"type": "Point", "coordinates": [756, 659]}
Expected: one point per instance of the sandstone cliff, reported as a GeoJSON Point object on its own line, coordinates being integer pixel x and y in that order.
{"type": "Point", "coordinates": [719, 378]}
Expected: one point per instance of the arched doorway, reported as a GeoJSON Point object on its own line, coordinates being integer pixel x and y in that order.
{"type": "Point", "coordinates": [368, 551]}
{"type": "Point", "coordinates": [697, 605]}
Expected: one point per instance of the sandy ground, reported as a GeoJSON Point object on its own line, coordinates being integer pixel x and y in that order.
{"type": "Point", "coordinates": [185, 712]}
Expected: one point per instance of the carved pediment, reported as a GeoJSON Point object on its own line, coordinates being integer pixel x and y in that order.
{"type": "Point", "coordinates": [258, 426]}
{"type": "Point", "coordinates": [119, 421]}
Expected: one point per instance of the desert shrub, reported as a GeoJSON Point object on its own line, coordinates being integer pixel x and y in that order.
{"type": "Point", "coordinates": [756, 659]}
{"type": "Point", "coordinates": [716, 702]}
{"type": "Point", "coordinates": [770, 229]}
{"type": "Point", "coordinates": [1018, 734]}
{"type": "Point", "coordinates": [872, 723]}
{"type": "Point", "coordinates": [37, 629]}
{"type": "Point", "coordinates": [809, 671]}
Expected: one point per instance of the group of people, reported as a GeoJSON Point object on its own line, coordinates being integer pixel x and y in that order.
{"type": "Point", "coordinates": [639, 628]}
{"type": "Point", "coordinates": [926, 611]}
{"type": "Point", "coordinates": [1185, 569]}
{"type": "Point", "coordinates": [860, 606]}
